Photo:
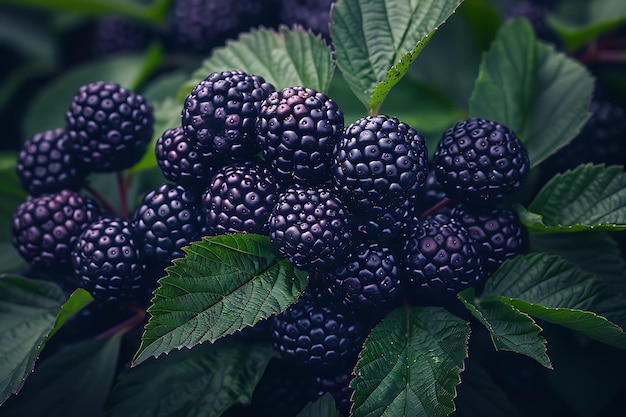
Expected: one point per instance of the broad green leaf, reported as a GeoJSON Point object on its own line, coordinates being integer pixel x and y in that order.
{"type": "Point", "coordinates": [555, 290]}
{"type": "Point", "coordinates": [48, 108]}
{"type": "Point", "coordinates": [589, 197]}
{"type": "Point", "coordinates": [410, 364]}
{"type": "Point", "coordinates": [510, 328]}
{"type": "Point", "coordinates": [376, 41]}
{"type": "Point", "coordinates": [28, 311]}
{"type": "Point", "coordinates": [222, 285]}
{"type": "Point", "coordinates": [200, 382]}
{"type": "Point", "coordinates": [27, 36]}
{"type": "Point", "coordinates": [322, 407]}
{"type": "Point", "coordinates": [73, 383]}
{"type": "Point", "coordinates": [77, 300]}
{"type": "Point", "coordinates": [284, 58]}
{"type": "Point", "coordinates": [541, 94]}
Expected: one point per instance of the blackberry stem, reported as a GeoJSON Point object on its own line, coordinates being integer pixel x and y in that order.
{"type": "Point", "coordinates": [123, 185]}
{"type": "Point", "coordinates": [444, 202]}
{"type": "Point", "coordinates": [103, 201]}
{"type": "Point", "coordinates": [126, 325]}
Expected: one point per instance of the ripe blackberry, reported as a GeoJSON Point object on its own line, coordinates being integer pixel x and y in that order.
{"type": "Point", "coordinates": [181, 162]}
{"type": "Point", "coordinates": [168, 218]}
{"type": "Point", "coordinates": [369, 277]}
{"type": "Point", "coordinates": [116, 33]}
{"type": "Point", "coordinates": [240, 198]}
{"type": "Point", "coordinates": [317, 334]}
{"type": "Point", "coordinates": [46, 228]}
{"type": "Point", "coordinates": [219, 115]}
{"type": "Point", "coordinates": [298, 128]}
{"type": "Point", "coordinates": [441, 260]}
{"type": "Point", "coordinates": [479, 162]}
{"type": "Point", "coordinates": [537, 15]}
{"type": "Point", "coordinates": [310, 227]}
{"type": "Point", "coordinates": [311, 14]}
{"type": "Point", "coordinates": [107, 260]}
{"type": "Point", "coordinates": [109, 126]}
{"type": "Point", "coordinates": [498, 234]}
{"type": "Point", "coordinates": [201, 25]}
{"type": "Point", "coordinates": [431, 193]}
{"type": "Point", "coordinates": [382, 224]}
{"type": "Point", "coordinates": [46, 165]}
{"type": "Point", "coordinates": [379, 162]}
{"type": "Point", "coordinates": [337, 384]}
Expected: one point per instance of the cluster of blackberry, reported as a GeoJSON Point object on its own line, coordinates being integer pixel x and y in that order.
{"type": "Point", "coordinates": [340, 202]}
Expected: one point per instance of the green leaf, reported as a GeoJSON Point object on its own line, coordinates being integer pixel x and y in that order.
{"type": "Point", "coordinates": [541, 94]}
{"type": "Point", "coordinates": [208, 380]}
{"type": "Point", "coordinates": [510, 329]}
{"type": "Point", "coordinates": [28, 311]}
{"type": "Point", "coordinates": [555, 290]}
{"type": "Point", "coordinates": [410, 364]}
{"type": "Point", "coordinates": [284, 58]}
{"type": "Point", "coordinates": [11, 195]}
{"type": "Point", "coordinates": [322, 407]}
{"type": "Point", "coordinates": [48, 108]}
{"type": "Point", "coordinates": [376, 41]}
{"type": "Point", "coordinates": [222, 285]}
{"type": "Point", "coordinates": [589, 197]}
{"type": "Point", "coordinates": [77, 300]}
{"type": "Point", "coordinates": [73, 383]}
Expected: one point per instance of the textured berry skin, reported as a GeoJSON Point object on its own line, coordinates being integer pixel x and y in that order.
{"type": "Point", "coordinates": [107, 260]}
{"type": "Point", "coordinates": [168, 218]}
{"type": "Point", "coordinates": [119, 34]}
{"type": "Point", "coordinates": [379, 162]}
{"type": "Point", "coordinates": [45, 164]}
{"type": "Point", "coordinates": [298, 128]}
{"type": "Point", "coordinates": [310, 227]}
{"type": "Point", "coordinates": [537, 15]}
{"type": "Point", "coordinates": [383, 225]}
{"type": "Point", "coordinates": [109, 126]}
{"type": "Point", "coordinates": [219, 115]}
{"type": "Point", "coordinates": [431, 193]}
{"type": "Point", "coordinates": [46, 228]}
{"type": "Point", "coordinates": [498, 234]}
{"type": "Point", "coordinates": [442, 259]}
{"type": "Point", "coordinates": [317, 334]}
{"type": "Point", "coordinates": [479, 162]}
{"type": "Point", "coordinates": [180, 161]}
{"type": "Point", "coordinates": [311, 14]}
{"type": "Point", "coordinates": [240, 199]}
{"type": "Point", "coordinates": [369, 277]}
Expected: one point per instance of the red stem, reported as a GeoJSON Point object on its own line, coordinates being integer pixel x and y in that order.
{"type": "Point", "coordinates": [126, 325]}
{"type": "Point", "coordinates": [123, 185]}
{"type": "Point", "coordinates": [444, 202]}
{"type": "Point", "coordinates": [103, 201]}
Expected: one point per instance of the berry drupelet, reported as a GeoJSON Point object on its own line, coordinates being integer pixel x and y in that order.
{"type": "Point", "coordinates": [298, 128]}
{"type": "Point", "coordinates": [480, 162]}
{"type": "Point", "coordinates": [109, 126]}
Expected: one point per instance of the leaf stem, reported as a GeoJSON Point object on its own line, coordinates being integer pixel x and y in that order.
{"type": "Point", "coordinates": [128, 324]}
{"type": "Point", "coordinates": [103, 201]}
{"type": "Point", "coordinates": [444, 202]}
{"type": "Point", "coordinates": [123, 185]}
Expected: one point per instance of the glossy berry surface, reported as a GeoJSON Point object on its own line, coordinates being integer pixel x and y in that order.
{"type": "Point", "coordinates": [298, 128]}
{"type": "Point", "coordinates": [480, 162]}
{"type": "Point", "coordinates": [109, 126]}
{"type": "Point", "coordinates": [310, 227]}
{"type": "Point", "coordinates": [240, 198]}
{"type": "Point", "coordinates": [107, 260]}
{"type": "Point", "coordinates": [46, 228]}
{"type": "Point", "coordinates": [219, 115]}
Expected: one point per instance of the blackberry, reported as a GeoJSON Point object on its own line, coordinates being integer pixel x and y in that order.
{"type": "Point", "coordinates": [298, 128]}
{"type": "Point", "coordinates": [107, 260]}
{"type": "Point", "coordinates": [46, 165]}
{"type": "Point", "coordinates": [310, 227]}
{"type": "Point", "coordinates": [311, 14]}
{"type": "Point", "coordinates": [480, 162]}
{"type": "Point", "coordinates": [46, 228]}
{"type": "Point", "coordinates": [431, 194]}
{"type": "Point", "coordinates": [498, 234]}
{"type": "Point", "coordinates": [537, 15]}
{"type": "Point", "coordinates": [368, 278]}
{"type": "Point", "coordinates": [382, 224]}
{"type": "Point", "coordinates": [201, 25]}
{"type": "Point", "coordinates": [379, 162]}
{"type": "Point", "coordinates": [317, 334]}
{"type": "Point", "coordinates": [168, 218]}
{"type": "Point", "coordinates": [109, 126]}
{"type": "Point", "coordinates": [116, 33]}
{"type": "Point", "coordinates": [441, 259]}
{"type": "Point", "coordinates": [240, 198]}
{"type": "Point", "coordinates": [337, 384]}
{"type": "Point", "coordinates": [219, 115]}
{"type": "Point", "coordinates": [180, 161]}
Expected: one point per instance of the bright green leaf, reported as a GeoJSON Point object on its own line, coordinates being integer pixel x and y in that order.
{"type": "Point", "coordinates": [376, 41]}
{"type": "Point", "coordinates": [284, 58]}
{"type": "Point", "coordinates": [222, 285]}
{"type": "Point", "coordinates": [208, 379]}
{"type": "Point", "coordinates": [77, 300]}
{"type": "Point", "coordinates": [28, 311]}
{"type": "Point", "coordinates": [510, 328]}
{"type": "Point", "coordinates": [589, 197]}
{"type": "Point", "coordinates": [322, 407]}
{"type": "Point", "coordinates": [541, 94]}
{"type": "Point", "coordinates": [73, 383]}
{"type": "Point", "coordinates": [410, 364]}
